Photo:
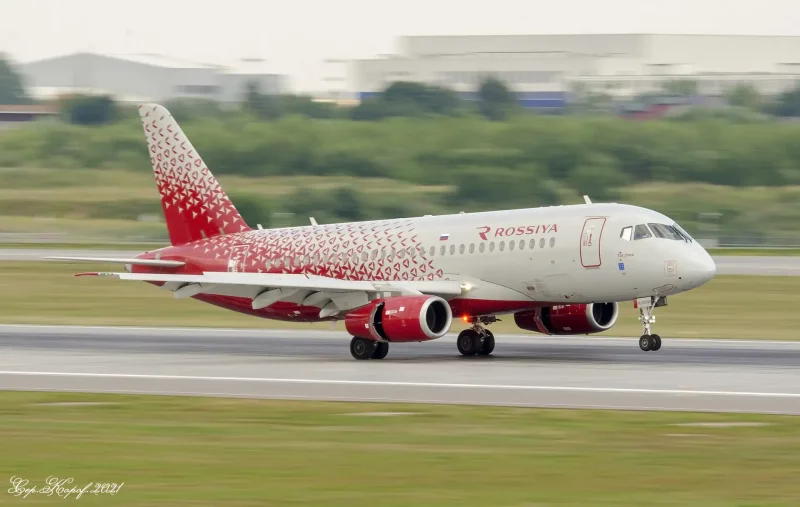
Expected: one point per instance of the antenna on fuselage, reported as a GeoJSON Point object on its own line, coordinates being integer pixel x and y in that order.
{"type": "Point", "coordinates": [313, 222]}
{"type": "Point", "coordinates": [260, 228]}
{"type": "Point", "coordinates": [586, 199]}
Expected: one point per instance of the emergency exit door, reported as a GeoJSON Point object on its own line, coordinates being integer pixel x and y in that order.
{"type": "Point", "coordinates": [590, 242]}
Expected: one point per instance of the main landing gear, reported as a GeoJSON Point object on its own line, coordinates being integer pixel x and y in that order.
{"type": "Point", "coordinates": [649, 342]}
{"type": "Point", "coordinates": [476, 340]}
{"type": "Point", "coordinates": [368, 349]}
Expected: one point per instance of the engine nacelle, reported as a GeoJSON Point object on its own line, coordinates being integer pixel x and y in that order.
{"type": "Point", "coordinates": [569, 319]}
{"type": "Point", "coordinates": [401, 319]}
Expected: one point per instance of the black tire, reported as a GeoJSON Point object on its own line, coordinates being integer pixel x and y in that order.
{"type": "Point", "coordinates": [362, 349]}
{"type": "Point", "coordinates": [381, 349]}
{"type": "Point", "coordinates": [468, 342]}
{"type": "Point", "coordinates": [488, 345]}
{"type": "Point", "coordinates": [646, 343]}
{"type": "Point", "coordinates": [656, 342]}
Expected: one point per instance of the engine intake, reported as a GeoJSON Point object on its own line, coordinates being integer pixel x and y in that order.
{"type": "Point", "coordinates": [401, 319]}
{"type": "Point", "coordinates": [569, 319]}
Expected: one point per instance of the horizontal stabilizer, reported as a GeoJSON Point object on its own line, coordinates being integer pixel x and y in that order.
{"type": "Point", "coordinates": [117, 260]}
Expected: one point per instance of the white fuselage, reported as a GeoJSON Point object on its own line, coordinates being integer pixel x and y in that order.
{"type": "Point", "coordinates": [560, 254]}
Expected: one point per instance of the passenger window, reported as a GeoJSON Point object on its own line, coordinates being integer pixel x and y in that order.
{"type": "Point", "coordinates": [374, 254]}
{"type": "Point", "coordinates": [626, 233]}
{"type": "Point", "coordinates": [502, 245]}
{"type": "Point", "coordinates": [472, 248]}
{"type": "Point", "coordinates": [364, 256]}
{"type": "Point", "coordinates": [541, 243]}
{"type": "Point", "coordinates": [482, 247]}
{"type": "Point", "coordinates": [491, 246]}
{"type": "Point", "coordinates": [552, 242]}
{"type": "Point", "coordinates": [522, 244]}
{"type": "Point", "coordinates": [401, 253]}
{"type": "Point", "coordinates": [433, 251]}
{"type": "Point", "coordinates": [511, 245]}
{"type": "Point", "coordinates": [461, 249]}
{"type": "Point", "coordinates": [533, 244]}
{"type": "Point", "coordinates": [641, 232]}
{"type": "Point", "coordinates": [442, 250]}
{"type": "Point", "coordinates": [452, 249]}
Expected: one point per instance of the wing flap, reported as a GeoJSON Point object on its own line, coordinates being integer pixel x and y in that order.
{"type": "Point", "coordinates": [297, 281]}
{"type": "Point", "coordinates": [119, 260]}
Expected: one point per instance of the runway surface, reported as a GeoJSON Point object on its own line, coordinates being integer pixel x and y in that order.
{"type": "Point", "coordinates": [697, 375]}
{"type": "Point", "coordinates": [726, 265]}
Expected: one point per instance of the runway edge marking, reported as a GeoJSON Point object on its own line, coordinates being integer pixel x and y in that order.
{"type": "Point", "coordinates": [403, 384]}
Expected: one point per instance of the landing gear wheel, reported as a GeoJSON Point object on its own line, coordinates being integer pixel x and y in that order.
{"type": "Point", "coordinates": [381, 349]}
{"type": "Point", "coordinates": [361, 348]}
{"type": "Point", "coordinates": [648, 341]}
{"type": "Point", "coordinates": [488, 344]}
{"type": "Point", "coordinates": [656, 342]}
{"type": "Point", "coordinates": [468, 342]}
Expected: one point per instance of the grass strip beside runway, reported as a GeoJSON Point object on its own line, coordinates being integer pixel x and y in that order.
{"type": "Point", "coordinates": [755, 307]}
{"type": "Point", "coordinates": [207, 451]}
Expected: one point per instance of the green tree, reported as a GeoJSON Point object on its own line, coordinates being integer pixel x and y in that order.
{"type": "Point", "coordinates": [680, 87]}
{"type": "Point", "coordinates": [90, 109]}
{"type": "Point", "coordinates": [788, 104]}
{"type": "Point", "coordinates": [403, 98]}
{"type": "Point", "coordinates": [599, 177]}
{"type": "Point", "coordinates": [261, 105]}
{"type": "Point", "coordinates": [12, 90]}
{"type": "Point", "coordinates": [744, 96]}
{"type": "Point", "coordinates": [495, 99]}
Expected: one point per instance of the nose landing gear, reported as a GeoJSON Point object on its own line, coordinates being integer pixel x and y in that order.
{"type": "Point", "coordinates": [476, 340]}
{"type": "Point", "coordinates": [649, 342]}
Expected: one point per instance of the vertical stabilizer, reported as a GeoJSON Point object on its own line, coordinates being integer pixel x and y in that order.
{"type": "Point", "coordinates": [194, 204]}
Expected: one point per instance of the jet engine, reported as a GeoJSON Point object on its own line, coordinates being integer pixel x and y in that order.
{"type": "Point", "coordinates": [569, 319]}
{"type": "Point", "coordinates": [401, 319]}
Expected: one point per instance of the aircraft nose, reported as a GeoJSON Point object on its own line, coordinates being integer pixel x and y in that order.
{"type": "Point", "coordinates": [703, 268]}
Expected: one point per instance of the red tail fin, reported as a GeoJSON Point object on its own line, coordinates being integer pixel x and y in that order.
{"type": "Point", "coordinates": [195, 206]}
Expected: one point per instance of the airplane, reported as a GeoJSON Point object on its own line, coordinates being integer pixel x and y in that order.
{"type": "Point", "coordinates": [559, 270]}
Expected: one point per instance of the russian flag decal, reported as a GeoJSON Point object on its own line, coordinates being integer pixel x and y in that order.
{"type": "Point", "coordinates": [444, 237]}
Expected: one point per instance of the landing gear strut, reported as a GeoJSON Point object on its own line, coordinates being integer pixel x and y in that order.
{"type": "Point", "coordinates": [361, 348]}
{"type": "Point", "coordinates": [649, 342]}
{"type": "Point", "coordinates": [476, 340]}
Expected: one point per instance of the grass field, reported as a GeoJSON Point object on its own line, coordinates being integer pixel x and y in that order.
{"type": "Point", "coordinates": [47, 293]}
{"type": "Point", "coordinates": [200, 451]}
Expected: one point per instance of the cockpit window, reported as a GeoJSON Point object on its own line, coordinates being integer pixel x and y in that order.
{"type": "Point", "coordinates": [626, 233]}
{"type": "Point", "coordinates": [683, 233]}
{"type": "Point", "coordinates": [666, 232]}
{"type": "Point", "coordinates": [641, 232]}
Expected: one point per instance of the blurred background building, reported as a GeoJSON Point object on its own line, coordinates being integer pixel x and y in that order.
{"type": "Point", "coordinates": [545, 69]}
{"type": "Point", "coordinates": [144, 78]}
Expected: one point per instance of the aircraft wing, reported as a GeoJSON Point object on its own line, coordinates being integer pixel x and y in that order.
{"type": "Point", "coordinates": [118, 260]}
{"type": "Point", "coordinates": [332, 294]}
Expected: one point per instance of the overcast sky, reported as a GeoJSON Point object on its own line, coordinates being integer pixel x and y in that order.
{"type": "Point", "coordinates": [296, 36]}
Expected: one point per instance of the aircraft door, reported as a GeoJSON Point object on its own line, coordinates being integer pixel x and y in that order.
{"type": "Point", "coordinates": [590, 242]}
{"type": "Point", "coordinates": [237, 261]}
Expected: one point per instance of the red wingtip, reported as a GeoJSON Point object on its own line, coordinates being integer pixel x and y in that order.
{"type": "Point", "coordinates": [89, 273]}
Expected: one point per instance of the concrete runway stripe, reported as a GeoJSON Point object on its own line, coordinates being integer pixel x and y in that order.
{"type": "Point", "coordinates": [342, 335]}
{"type": "Point", "coordinates": [403, 384]}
